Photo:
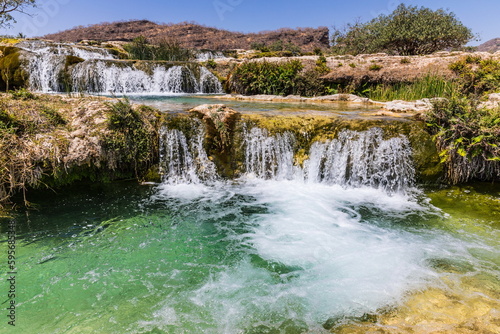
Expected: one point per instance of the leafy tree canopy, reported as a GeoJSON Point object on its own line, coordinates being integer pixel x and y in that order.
{"type": "Point", "coordinates": [8, 7]}
{"type": "Point", "coordinates": [409, 30]}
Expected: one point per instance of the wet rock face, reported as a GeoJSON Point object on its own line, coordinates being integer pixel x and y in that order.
{"type": "Point", "coordinates": [219, 123]}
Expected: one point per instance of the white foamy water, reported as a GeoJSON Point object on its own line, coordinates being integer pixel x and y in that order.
{"type": "Point", "coordinates": [330, 240]}
{"type": "Point", "coordinates": [98, 73]}
{"type": "Point", "coordinates": [314, 251]}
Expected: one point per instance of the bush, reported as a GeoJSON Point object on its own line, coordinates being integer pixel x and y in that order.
{"type": "Point", "coordinates": [23, 94]}
{"type": "Point", "coordinates": [163, 49]}
{"type": "Point", "coordinates": [285, 78]}
{"type": "Point", "coordinates": [264, 77]}
{"type": "Point", "coordinates": [375, 67]}
{"type": "Point", "coordinates": [408, 30]}
{"type": "Point", "coordinates": [467, 138]}
{"type": "Point", "coordinates": [477, 76]}
{"type": "Point", "coordinates": [131, 139]}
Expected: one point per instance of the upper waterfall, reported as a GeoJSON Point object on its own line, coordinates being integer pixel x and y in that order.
{"type": "Point", "coordinates": [95, 70]}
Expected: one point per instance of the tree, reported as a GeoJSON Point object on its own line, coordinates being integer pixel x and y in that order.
{"type": "Point", "coordinates": [408, 30]}
{"type": "Point", "coordinates": [8, 7]}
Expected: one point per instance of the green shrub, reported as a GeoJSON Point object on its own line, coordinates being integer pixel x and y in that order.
{"type": "Point", "coordinates": [131, 139]}
{"type": "Point", "coordinates": [321, 66]}
{"type": "Point", "coordinates": [23, 94]}
{"type": "Point", "coordinates": [163, 49]}
{"type": "Point", "coordinates": [408, 30]}
{"type": "Point", "coordinates": [375, 67]}
{"type": "Point", "coordinates": [284, 78]}
{"type": "Point", "coordinates": [467, 138]}
{"type": "Point", "coordinates": [352, 65]}
{"type": "Point", "coordinates": [264, 77]}
{"type": "Point", "coordinates": [477, 76]}
{"type": "Point", "coordinates": [405, 60]}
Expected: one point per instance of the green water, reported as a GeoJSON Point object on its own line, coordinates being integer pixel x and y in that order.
{"type": "Point", "coordinates": [183, 103]}
{"type": "Point", "coordinates": [241, 257]}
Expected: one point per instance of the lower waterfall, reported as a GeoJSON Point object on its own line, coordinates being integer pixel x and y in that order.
{"type": "Point", "coordinates": [354, 159]}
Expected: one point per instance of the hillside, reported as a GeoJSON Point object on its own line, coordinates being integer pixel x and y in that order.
{"type": "Point", "coordinates": [193, 35]}
{"type": "Point", "coordinates": [493, 45]}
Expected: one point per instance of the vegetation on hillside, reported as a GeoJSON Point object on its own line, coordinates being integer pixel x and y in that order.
{"type": "Point", "coordinates": [408, 30]}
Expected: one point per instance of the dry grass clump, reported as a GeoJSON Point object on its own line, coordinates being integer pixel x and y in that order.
{"type": "Point", "coordinates": [49, 140]}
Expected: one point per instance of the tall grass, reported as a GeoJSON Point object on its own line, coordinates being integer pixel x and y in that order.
{"type": "Point", "coordinates": [162, 49]}
{"type": "Point", "coordinates": [427, 87]}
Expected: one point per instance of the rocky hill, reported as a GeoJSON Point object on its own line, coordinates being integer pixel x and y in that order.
{"type": "Point", "coordinates": [193, 35]}
{"type": "Point", "coordinates": [493, 45]}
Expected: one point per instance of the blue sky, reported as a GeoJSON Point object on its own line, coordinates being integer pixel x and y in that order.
{"type": "Point", "coordinates": [243, 15]}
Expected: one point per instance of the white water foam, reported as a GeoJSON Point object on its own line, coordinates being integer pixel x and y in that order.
{"type": "Point", "coordinates": [99, 74]}
{"type": "Point", "coordinates": [102, 77]}
{"type": "Point", "coordinates": [311, 255]}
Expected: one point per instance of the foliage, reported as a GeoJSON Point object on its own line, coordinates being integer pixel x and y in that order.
{"type": "Point", "coordinates": [429, 86]}
{"type": "Point", "coordinates": [8, 7]}
{"type": "Point", "coordinates": [162, 49]}
{"type": "Point", "coordinates": [408, 30]}
{"type": "Point", "coordinates": [131, 138]}
{"type": "Point", "coordinates": [284, 78]}
{"type": "Point", "coordinates": [22, 94]}
{"type": "Point", "coordinates": [321, 65]}
{"type": "Point", "coordinates": [263, 77]}
{"type": "Point", "coordinates": [210, 64]}
{"type": "Point", "coordinates": [477, 76]}
{"type": "Point", "coordinates": [467, 137]}
{"type": "Point", "coordinates": [375, 67]}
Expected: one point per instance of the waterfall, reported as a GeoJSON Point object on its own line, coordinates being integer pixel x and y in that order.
{"type": "Point", "coordinates": [358, 159]}
{"type": "Point", "coordinates": [101, 73]}
{"type": "Point", "coordinates": [96, 76]}
{"type": "Point", "coordinates": [183, 162]}
{"type": "Point", "coordinates": [207, 55]}
{"type": "Point", "coordinates": [353, 159]}
{"type": "Point", "coordinates": [269, 157]}
{"type": "Point", "coordinates": [46, 62]}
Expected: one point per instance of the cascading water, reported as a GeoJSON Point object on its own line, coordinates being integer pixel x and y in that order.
{"type": "Point", "coordinates": [207, 55]}
{"type": "Point", "coordinates": [283, 249]}
{"type": "Point", "coordinates": [354, 159]}
{"type": "Point", "coordinates": [183, 162]}
{"type": "Point", "coordinates": [104, 77]}
{"type": "Point", "coordinates": [46, 61]}
{"type": "Point", "coordinates": [100, 73]}
{"type": "Point", "coordinates": [359, 159]}
{"type": "Point", "coordinates": [269, 157]}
